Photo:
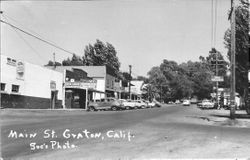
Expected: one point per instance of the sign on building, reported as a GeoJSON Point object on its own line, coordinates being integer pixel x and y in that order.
{"type": "Point", "coordinates": [20, 70]}
{"type": "Point", "coordinates": [53, 85]}
{"type": "Point", "coordinates": [217, 79]}
{"type": "Point", "coordinates": [84, 84]}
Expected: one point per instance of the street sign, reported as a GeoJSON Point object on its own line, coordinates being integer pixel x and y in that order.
{"type": "Point", "coordinates": [217, 79]}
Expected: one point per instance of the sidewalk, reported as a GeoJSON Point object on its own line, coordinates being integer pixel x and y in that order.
{"type": "Point", "coordinates": [222, 117]}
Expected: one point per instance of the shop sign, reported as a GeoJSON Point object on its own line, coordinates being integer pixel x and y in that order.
{"type": "Point", "coordinates": [82, 85]}
{"type": "Point", "coordinates": [11, 62]}
{"type": "Point", "coordinates": [217, 79]}
{"type": "Point", "coordinates": [52, 85]}
{"type": "Point", "coordinates": [20, 67]}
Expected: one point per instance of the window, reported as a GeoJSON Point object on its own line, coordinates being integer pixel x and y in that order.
{"type": "Point", "coordinates": [3, 86]}
{"type": "Point", "coordinates": [110, 100]}
{"type": "Point", "coordinates": [15, 88]}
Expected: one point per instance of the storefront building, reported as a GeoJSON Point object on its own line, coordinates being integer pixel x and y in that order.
{"type": "Point", "coordinates": [78, 87]}
{"type": "Point", "coordinates": [25, 85]}
{"type": "Point", "coordinates": [103, 76]}
{"type": "Point", "coordinates": [135, 90]}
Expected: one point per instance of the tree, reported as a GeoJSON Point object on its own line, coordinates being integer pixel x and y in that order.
{"type": "Point", "coordinates": [158, 83]}
{"type": "Point", "coordinates": [142, 78]}
{"type": "Point", "coordinates": [102, 54]}
{"type": "Point", "coordinates": [200, 74]}
{"type": "Point", "coordinates": [242, 45]}
{"type": "Point", "coordinates": [177, 81]}
{"type": "Point", "coordinates": [74, 61]}
{"type": "Point", "coordinates": [66, 62]}
{"type": "Point", "coordinates": [51, 63]}
{"type": "Point", "coordinates": [126, 77]}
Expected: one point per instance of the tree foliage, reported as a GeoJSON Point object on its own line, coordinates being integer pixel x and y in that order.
{"type": "Point", "coordinates": [242, 45]}
{"type": "Point", "coordinates": [101, 54]}
{"type": "Point", "coordinates": [51, 63]}
{"type": "Point", "coordinates": [74, 61]}
{"type": "Point", "coordinates": [172, 81]}
{"type": "Point", "coordinates": [98, 54]}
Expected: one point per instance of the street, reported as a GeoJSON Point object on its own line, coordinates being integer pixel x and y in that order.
{"type": "Point", "coordinates": [172, 131]}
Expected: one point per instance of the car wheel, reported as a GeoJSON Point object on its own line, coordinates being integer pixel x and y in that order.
{"type": "Point", "coordinates": [113, 108]}
{"type": "Point", "coordinates": [91, 109]}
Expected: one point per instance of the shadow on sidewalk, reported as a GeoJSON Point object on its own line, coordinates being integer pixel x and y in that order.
{"type": "Point", "coordinates": [237, 116]}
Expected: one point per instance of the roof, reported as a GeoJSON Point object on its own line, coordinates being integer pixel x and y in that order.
{"type": "Point", "coordinates": [93, 71]}
{"type": "Point", "coordinates": [137, 86]}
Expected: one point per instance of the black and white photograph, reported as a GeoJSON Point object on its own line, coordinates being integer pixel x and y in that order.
{"type": "Point", "coordinates": [124, 79]}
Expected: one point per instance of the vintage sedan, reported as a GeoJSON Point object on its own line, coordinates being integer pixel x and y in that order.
{"type": "Point", "coordinates": [207, 104]}
{"type": "Point", "coordinates": [186, 102]}
{"type": "Point", "coordinates": [105, 103]}
{"type": "Point", "coordinates": [128, 104]}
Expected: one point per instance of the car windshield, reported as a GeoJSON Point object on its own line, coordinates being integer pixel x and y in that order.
{"type": "Point", "coordinates": [205, 101]}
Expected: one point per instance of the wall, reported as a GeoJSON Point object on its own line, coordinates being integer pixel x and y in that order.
{"type": "Point", "coordinates": [34, 82]}
{"type": "Point", "coordinates": [100, 86]}
{"type": "Point", "coordinates": [110, 82]}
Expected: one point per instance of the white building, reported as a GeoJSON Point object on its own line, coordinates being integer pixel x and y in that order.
{"type": "Point", "coordinates": [135, 89]}
{"type": "Point", "coordinates": [25, 85]}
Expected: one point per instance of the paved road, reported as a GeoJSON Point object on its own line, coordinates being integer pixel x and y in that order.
{"type": "Point", "coordinates": [167, 132]}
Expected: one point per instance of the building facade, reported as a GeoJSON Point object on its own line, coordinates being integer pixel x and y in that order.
{"type": "Point", "coordinates": [25, 85]}
{"type": "Point", "coordinates": [106, 82]}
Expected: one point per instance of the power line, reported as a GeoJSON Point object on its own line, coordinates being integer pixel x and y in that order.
{"type": "Point", "coordinates": [31, 31]}
{"type": "Point", "coordinates": [215, 22]}
{"type": "Point", "coordinates": [26, 42]}
{"type": "Point", "coordinates": [212, 23]}
{"type": "Point", "coordinates": [54, 45]}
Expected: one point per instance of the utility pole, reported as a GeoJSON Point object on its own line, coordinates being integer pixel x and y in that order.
{"type": "Point", "coordinates": [54, 60]}
{"type": "Point", "coordinates": [232, 86]}
{"type": "Point", "coordinates": [161, 93]}
{"type": "Point", "coordinates": [129, 87]}
{"type": "Point", "coordinates": [216, 73]}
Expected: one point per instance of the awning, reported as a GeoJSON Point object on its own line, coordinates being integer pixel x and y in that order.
{"type": "Point", "coordinates": [94, 90]}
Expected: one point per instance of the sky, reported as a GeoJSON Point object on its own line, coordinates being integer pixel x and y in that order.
{"type": "Point", "coordinates": [143, 32]}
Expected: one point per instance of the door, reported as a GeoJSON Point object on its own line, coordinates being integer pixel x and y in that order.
{"type": "Point", "coordinates": [53, 99]}
{"type": "Point", "coordinates": [103, 104]}
{"type": "Point", "coordinates": [68, 99]}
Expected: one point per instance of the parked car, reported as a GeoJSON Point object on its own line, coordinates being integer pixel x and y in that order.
{"type": "Point", "coordinates": [147, 103]}
{"type": "Point", "coordinates": [157, 104]}
{"type": "Point", "coordinates": [151, 104]}
{"type": "Point", "coordinates": [177, 102]}
{"type": "Point", "coordinates": [170, 102]}
{"type": "Point", "coordinates": [105, 103]}
{"type": "Point", "coordinates": [140, 104]}
{"type": "Point", "coordinates": [207, 104]}
{"type": "Point", "coordinates": [186, 102]}
{"type": "Point", "coordinates": [199, 103]}
{"type": "Point", "coordinates": [129, 104]}
{"type": "Point", "coordinates": [194, 101]}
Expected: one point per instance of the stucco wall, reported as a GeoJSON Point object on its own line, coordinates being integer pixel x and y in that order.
{"type": "Point", "coordinates": [35, 81]}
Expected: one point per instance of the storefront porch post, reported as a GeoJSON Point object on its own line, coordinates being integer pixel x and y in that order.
{"type": "Point", "coordinates": [94, 96]}
{"type": "Point", "coordinates": [86, 103]}
{"type": "Point", "coordinates": [63, 89]}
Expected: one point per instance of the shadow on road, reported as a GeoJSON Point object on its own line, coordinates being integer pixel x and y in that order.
{"type": "Point", "coordinates": [238, 116]}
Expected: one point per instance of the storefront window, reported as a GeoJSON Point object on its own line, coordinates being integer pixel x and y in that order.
{"type": "Point", "coordinates": [15, 88]}
{"type": "Point", "coordinates": [3, 86]}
